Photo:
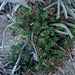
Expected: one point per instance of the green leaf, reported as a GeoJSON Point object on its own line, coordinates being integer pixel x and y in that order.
{"type": "Point", "coordinates": [25, 36]}
{"type": "Point", "coordinates": [43, 54]}
{"type": "Point", "coordinates": [42, 34]}
{"type": "Point", "coordinates": [26, 57]}
{"type": "Point", "coordinates": [56, 38]}
{"type": "Point", "coordinates": [37, 67]}
{"type": "Point", "coordinates": [51, 43]}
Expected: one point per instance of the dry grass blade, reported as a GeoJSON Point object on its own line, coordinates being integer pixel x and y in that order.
{"type": "Point", "coordinates": [64, 9]}
{"type": "Point", "coordinates": [58, 9]}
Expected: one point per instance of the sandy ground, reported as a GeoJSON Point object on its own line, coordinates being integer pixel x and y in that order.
{"type": "Point", "coordinates": [8, 38]}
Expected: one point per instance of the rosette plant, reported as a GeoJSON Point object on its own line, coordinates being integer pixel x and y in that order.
{"type": "Point", "coordinates": [49, 40]}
